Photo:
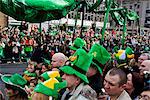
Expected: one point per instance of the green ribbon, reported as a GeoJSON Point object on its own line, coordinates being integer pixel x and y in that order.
{"type": "Point", "coordinates": [109, 2]}
{"type": "Point", "coordinates": [124, 32]}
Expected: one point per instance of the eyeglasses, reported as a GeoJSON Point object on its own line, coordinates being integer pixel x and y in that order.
{"type": "Point", "coordinates": [144, 97]}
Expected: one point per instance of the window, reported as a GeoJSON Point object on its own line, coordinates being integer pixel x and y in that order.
{"type": "Point", "coordinates": [69, 16]}
{"type": "Point", "coordinates": [88, 17]}
{"type": "Point", "coordinates": [91, 17]}
{"type": "Point", "coordinates": [148, 5]}
{"type": "Point", "coordinates": [130, 7]}
{"type": "Point", "coordinates": [85, 16]}
{"type": "Point", "coordinates": [138, 6]}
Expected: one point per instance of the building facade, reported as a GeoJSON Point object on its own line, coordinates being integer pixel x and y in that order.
{"type": "Point", "coordinates": [142, 7]}
{"type": "Point", "coordinates": [89, 17]}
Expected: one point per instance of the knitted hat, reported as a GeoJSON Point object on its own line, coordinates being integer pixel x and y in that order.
{"type": "Point", "coordinates": [78, 65]}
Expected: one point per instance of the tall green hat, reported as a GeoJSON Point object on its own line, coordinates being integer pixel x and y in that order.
{"type": "Point", "coordinates": [78, 43]}
{"type": "Point", "coordinates": [78, 65]}
{"type": "Point", "coordinates": [15, 80]}
{"type": "Point", "coordinates": [50, 87]}
{"type": "Point", "coordinates": [100, 56]}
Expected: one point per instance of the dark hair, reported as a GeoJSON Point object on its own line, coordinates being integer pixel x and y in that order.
{"type": "Point", "coordinates": [138, 84]}
{"type": "Point", "coordinates": [121, 73]}
{"type": "Point", "coordinates": [21, 95]}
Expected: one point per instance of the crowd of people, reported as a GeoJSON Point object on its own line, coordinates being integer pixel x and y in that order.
{"type": "Point", "coordinates": [67, 66]}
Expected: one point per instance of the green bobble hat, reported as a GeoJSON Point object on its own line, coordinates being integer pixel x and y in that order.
{"type": "Point", "coordinates": [100, 56]}
{"type": "Point", "coordinates": [78, 65]}
{"type": "Point", "coordinates": [77, 43]}
{"type": "Point", "coordinates": [15, 80]}
{"type": "Point", "coordinates": [50, 87]}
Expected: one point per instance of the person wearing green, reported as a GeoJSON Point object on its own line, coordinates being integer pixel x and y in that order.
{"type": "Point", "coordinates": [100, 57]}
{"type": "Point", "coordinates": [15, 87]}
{"type": "Point", "coordinates": [1, 52]}
{"type": "Point", "coordinates": [77, 44]}
{"type": "Point", "coordinates": [48, 90]}
{"type": "Point", "coordinates": [124, 56]}
{"type": "Point", "coordinates": [30, 71]}
{"type": "Point", "coordinates": [75, 75]}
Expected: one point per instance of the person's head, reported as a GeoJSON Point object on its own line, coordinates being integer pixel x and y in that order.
{"type": "Point", "coordinates": [144, 56]}
{"type": "Point", "coordinates": [145, 66]}
{"type": "Point", "coordinates": [129, 84]}
{"type": "Point", "coordinates": [100, 57]}
{"type": "Point", "coordinates": [114, 82]}
{"type": "Point", "coordinates": [14, 93]}
{"type": "Point", "coordinates": [31, 66]}
{"type": "Point", "coordinates": [45, 68]}
{"type": "Point", "coordinates": [49, 88]}
{"type": "Point", "coordinates": [72, 81]}
{"type": "Point", "coordinates": [77, 43]}
{"type": "Point", "coordinates": [145, 95]}
{"type": "Point", "coordinates": [76, 68]}
{"type": "Point", "coordinates": [92, 70]}
{"type": "Point", "coordinates": [135, 84]}
{"type": "Point", "coordinates": [58, 59]}
{"type": "Point", "coordinates": [39, 96]}
{"type": "Point", "coordinates": [15, 87]}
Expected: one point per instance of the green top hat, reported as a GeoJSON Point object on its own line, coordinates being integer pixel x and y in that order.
{"type": "Point", "coordinates": [50, 87]}
{"type": "Point", "coordinates": [78, 65]}
{"type": "Point", "coordinates": [15, 80]}
{"type": "Point", "coordinates": [78, 43]}
{"type": "Point", "coordinates": [100, 55]}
